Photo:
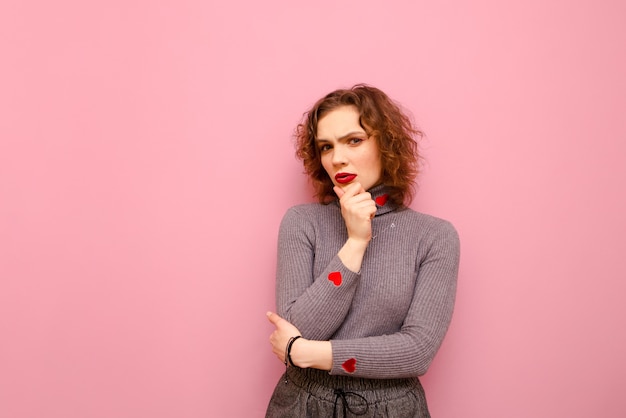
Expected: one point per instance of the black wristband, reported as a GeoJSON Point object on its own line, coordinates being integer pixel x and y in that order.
{"type": "Point", "coordinates": [289, 344]}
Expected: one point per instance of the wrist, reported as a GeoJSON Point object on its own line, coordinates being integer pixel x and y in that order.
{"type": "Point", "coordinates": [315, 354]}
{"type": "Point", "coordinates": [288, 359]}
{"type": "Point", "coordinates": [352, 253]}
{"type": "Point", "coordinates": [358, 244]}
{"type": "Point", "coordinates": [295, 352]}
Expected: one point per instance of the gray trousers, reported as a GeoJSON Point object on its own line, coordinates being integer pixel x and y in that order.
{"type": "Point", "coordinates": [311, 393]}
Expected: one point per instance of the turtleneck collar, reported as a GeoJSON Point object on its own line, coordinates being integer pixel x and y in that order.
{"type": "Point", "coordinates": [381, 197]}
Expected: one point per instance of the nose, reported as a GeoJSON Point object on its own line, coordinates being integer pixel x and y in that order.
{"type": "Point", "coordinates": [339, 156]}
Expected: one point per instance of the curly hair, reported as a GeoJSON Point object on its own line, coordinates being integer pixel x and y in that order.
{"type": "Point", "coordinates": [382, 119]}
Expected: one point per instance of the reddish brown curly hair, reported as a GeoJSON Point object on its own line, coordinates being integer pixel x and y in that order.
{"type": "Point", "coordinates": [382, 119]}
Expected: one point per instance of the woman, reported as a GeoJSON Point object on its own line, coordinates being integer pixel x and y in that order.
{"type": "Point", "coordinates": [365, 285]}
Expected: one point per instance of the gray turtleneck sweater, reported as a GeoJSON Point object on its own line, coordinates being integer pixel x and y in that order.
{"type": "Point", "coordinates": [388, 320]}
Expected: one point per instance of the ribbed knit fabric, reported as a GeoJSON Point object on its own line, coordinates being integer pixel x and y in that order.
{"type": "Point", "coordinates": [386, 322]}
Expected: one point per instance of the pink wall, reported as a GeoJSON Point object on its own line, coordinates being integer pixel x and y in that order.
{"type": "Point", "coordinates": [145, 163]}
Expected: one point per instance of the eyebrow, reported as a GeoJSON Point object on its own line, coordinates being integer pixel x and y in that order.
{"type": "Point", "coordinates": [349, 134]}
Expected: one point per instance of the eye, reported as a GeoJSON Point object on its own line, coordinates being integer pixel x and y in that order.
{"type": "Point", "coordinates": [355, 141]}
{"type": "Point", "coordinates": [325, 147]}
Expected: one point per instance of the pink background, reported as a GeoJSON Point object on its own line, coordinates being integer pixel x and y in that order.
{"type": "Point", "coordinates": [146, 162]}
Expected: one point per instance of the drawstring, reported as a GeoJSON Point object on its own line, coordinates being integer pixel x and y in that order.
{"type": "Point", "coordinates": [341, 394]}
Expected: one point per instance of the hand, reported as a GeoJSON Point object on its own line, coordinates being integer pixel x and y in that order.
{"type": "Point", "coordinates": [357, 208]}
{"type": "Point", "coordinates": [281, 335]}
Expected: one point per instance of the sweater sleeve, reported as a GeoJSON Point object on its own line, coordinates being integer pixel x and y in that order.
{"type": "Point", "coordinates": [317, 306]}
{"type": "Point", "coordinates": [410, 351]}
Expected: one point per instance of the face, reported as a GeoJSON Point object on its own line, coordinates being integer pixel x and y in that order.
{"type": "Point", "coordinates": [348, 154]}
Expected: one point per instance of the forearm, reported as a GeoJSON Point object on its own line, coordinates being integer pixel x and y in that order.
{"type": "Point", "coordinates": [398, 355]}
{"type": "Point", "coordinates": [320, 308]}
{"type": "Point", "coordinates": [391, 356]}
{"type": "Point", "coordinates": [316, 305]}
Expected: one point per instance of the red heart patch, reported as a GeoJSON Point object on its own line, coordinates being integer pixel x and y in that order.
{"type": "Point", "coordinates": [335, 277]}
{"type": "Point", "coordinates": [381, 200]}
{"type": "Point", "coordinates": [349, 365]}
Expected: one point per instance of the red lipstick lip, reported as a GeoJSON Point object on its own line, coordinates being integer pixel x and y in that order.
{"type": "Point", "coordinates": [343, 178]}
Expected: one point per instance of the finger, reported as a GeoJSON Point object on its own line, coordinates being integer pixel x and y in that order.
{"type": "Point", "coordinates": [339, 191]}
{"type": "Point", "coordinates": [363, 197]}
{"type": "Point", "coordinates": [369, 212]}
{"type": "Point", "coordinates": [366, 208]}
{"type": "Point", "coordinates": [351, 190]}
{"type": "Point", "coordinates": [273, 317]}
